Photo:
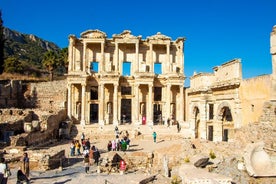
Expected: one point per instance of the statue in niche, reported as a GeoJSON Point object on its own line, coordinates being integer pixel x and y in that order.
{"type": "Point", "coordinates": [78, 110]}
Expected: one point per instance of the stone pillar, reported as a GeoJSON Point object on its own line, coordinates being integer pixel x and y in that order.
{"type": "Point", "coordinates": [168, 59]}
{"type": "Point", "coordinates": [116, 59]}
{"type": "Point", "coordinates": [168, 101]}
{"type": "Point", "coordinates": [115, 105]}
{"type": "Point", "coordinates": [137, 104]}
{"type": "Point", "coordinates": [83, 100]}
{"type": "Point", "coordinates": [137, 56]}
{"type": "Point", "coordinates": [84, 58]}
{"type": "Point", "coordinates": [102, 104]}
{"type": "Point", "coordinates": [149, 109]}
{"type": "Point", "coordinates": [70, 53]}
{"type": "Point", "coordinates": [181, 111]}
{"type": "Point", "coordinates": [273, 54]}
{"type": "Point", "coordinates": [69, 101]}
{"type": "Point", "coordinates": [151, 58]}
{"type": "Point", "coordinates": [102, 63]}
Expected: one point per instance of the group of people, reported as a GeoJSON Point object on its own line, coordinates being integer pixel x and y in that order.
{"type": "Point", "coordinates": [90, 154]}
{"type": "Point", "coordinates": [118, 144]}
{"type": "Point", "coordinates": [22, 173]}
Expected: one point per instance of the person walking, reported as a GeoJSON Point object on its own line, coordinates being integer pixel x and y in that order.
{"type": "Point", "coordinates": [3, 171]}
{"type": "Point", "coordinates": [26, 165]}
{"type": "Point", "coordinates": [86, 163]}
{"type": "Point", "coordinates": [154, 135]}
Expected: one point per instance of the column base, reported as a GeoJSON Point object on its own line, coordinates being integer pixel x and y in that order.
{"type": "Point", "coordinates": [150, 123]}
{"type": "Point", "coordinates": [82, 122]}
{"type": "Point", "coordinates": [101, 122]}
{"type": "Point", "coordinates": [115, 122]}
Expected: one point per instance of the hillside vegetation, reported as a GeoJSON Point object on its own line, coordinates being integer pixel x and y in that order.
{"type": "Point", "coordinates": [30, 56]}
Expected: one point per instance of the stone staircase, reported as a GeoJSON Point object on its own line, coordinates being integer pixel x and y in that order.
{"type": "Point", "coordinates": [143, 132]}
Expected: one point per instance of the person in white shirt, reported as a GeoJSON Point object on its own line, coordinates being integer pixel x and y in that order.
{"type": "Point", "coordinates": [3, 168]}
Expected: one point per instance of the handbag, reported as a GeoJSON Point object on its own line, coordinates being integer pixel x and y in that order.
{"type": "Point", "coordinates": [7, 173]}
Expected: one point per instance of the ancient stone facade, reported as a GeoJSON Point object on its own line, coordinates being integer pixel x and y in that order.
{"type": "Point", "coordinates": [221, 102]}
{"type": "Point", "coordinates": [214, 104]}
{"type": "Point", "coordinates": [125, 79]}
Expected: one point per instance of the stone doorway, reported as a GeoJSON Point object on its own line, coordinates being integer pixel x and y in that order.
{"type": "Point", "coordinates": [125, 111]}
{"type": "Point", "coordinates": [157, 114]}
{"type": "Point", "coordinates": [94, 111]}
{"type": "Point", "coordinates": [210, 133]}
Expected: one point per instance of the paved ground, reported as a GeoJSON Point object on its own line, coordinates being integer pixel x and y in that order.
{"type": "Point", "coordinates": [74, 174]}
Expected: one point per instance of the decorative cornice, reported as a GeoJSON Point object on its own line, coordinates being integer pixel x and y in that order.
{"type": "Point", "coordinates": [158, 36]}
{"type": "Point", "coordinates": [126, 34]}
{"type": "Point", "coordinates": [93, 34]}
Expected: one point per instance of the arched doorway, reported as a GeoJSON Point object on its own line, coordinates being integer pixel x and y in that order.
{"type": "Point", "coordinates": [226, 119]}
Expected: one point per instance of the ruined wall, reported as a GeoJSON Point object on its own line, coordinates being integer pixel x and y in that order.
{"type": "Point", "coordinates": [11, 93]}
{"type": "Point", "coordinates": [253, 93]}
{"type": "Point", "coordinates": [50, 96]}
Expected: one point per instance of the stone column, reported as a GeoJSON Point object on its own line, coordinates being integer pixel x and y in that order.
{"type": "Point", "coordinates": [115, 105]}
{"type": "Point", "coordinates": [70, 53]}
{"type": "Point", "coordinates": [137, 56]}
{"type": "Point", "coordinates": [137, 113]}
{"type": "Point", "coordinates": [181, 117]}
{"type": "Point", "coordinates": [168, 101]}
{"type": "Point", "coordinates": [102, 63]}
{"type": "Point", "coordinates": [102, 104]}
{"type": "Point", "coordinates": [149, 109]}
{"type": "Point", "coordinates": [69, 101]}
{"type": "Point", "coordinates": [273, 54]}
{"type": "Point", "coordinates": [83, 100]}
{"type": "Point", "coordinates": [168, 59]}
{"type": "Point", "coordinates": [151, 58]}
{"type": "Point", "coordinates": [84, 58]}
{"type": "Point", "coordinates": [116, 59]}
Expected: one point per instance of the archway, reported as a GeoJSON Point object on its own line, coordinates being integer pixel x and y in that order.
{"type": "Point", "coordinates": [226, 119]}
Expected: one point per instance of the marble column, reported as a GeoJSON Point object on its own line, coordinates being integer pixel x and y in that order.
{"type": "Point", "coordinates": [102, 63]}
{"type": "Point", "coordinates": [151, 58]}
{"type": "Point", "coordinates": [83, 99]}
{"type": "Point", "coordinates": [137, 112]}
{"type": "Point", "coordinates": [150, 108]}
{"type": "Point", "coordinates": [137, 56]}
{"type": "Point", "coordinates": [168, 101]}
{"type": "Point", "coordinates": [273, 55]}
{"type": "Point", "coordinates": [115, 105]}
{"type": "Point", "coordinates": [102, 104]}
{"type": "Point", "coordinates": [69, 101]}
{"type": "Point", "coordinates": [181, 111]}
{"type": "Point", "coordinates": [84, 58]}
{"type": "Point", "coordinates": [116, 61]}
{"type": "Point", "coordinates": [168, 59]}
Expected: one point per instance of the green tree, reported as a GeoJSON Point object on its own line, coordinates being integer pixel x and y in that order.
{"type": "Point", "coordinates": [50, 61]}
{"type": "Point", "coordinates": [1, 44]}
{"type": "Point", "coordinates": [63, 59]}
{"type": "Point", "coordinates": [13, 65]}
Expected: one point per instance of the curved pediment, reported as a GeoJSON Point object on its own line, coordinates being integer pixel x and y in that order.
{"type": "Point", "coordinates": [126, 34]}
{"type": "Point", "coordinates": [93, 34]}
{"type": "Point", "coordinates": [158, 36]}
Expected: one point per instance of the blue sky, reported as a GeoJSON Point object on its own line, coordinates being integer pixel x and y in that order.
{"type": "Point", "coordinates": [216, 31]}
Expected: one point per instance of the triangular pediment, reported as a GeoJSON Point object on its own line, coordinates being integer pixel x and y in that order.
{"type": "Point", "coordinates": [158, 36]}
{"type": "Point", "coordinates": [93, 34]}
{"type": "Point", "coordinates": [126, 34]}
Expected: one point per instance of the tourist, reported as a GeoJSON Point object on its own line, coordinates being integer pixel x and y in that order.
{"type": "Point", "coordinates": [72, 148]}
{"type": "Point", "coordinates": [22, 178]}
{"type": "Point", "coordinates": [96, 155]}
{"type": "Point", "coordinates": [154, 136]}
{"type": "Point", "coordinates": [109, 146]}
{"type": "Point", "coordinates": [86, 163]}
{"type": "Point", "coordinates": [78, 145]}
{"type": "Point", "coordinates": [113, 145]}
{"type": "Point", "coordinates": [26, 165]}
{"type": "Point", "coordinates": [3, 171]}
{"type": "Point", "coordinates": [87, 144]}
{"type": "Point", "coordinates": [82, 136]}
{"type": "Point", "coordinates": [178, 126]}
